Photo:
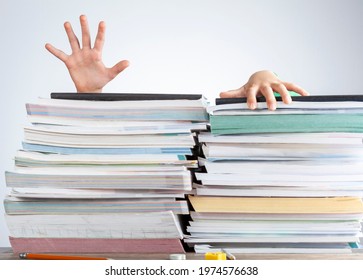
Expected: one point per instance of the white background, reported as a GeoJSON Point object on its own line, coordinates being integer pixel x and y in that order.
{"type": "Point", "coordinates": [177, 47]}
{"type": "Point", "coordinates": [267, 269]}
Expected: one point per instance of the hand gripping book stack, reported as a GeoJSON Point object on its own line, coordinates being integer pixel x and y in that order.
{"type": "Point", "coordinates": [284, 181]}
{"type": "Point", "coordinates": [104, 173]}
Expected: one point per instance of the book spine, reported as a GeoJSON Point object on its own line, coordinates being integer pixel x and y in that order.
{"type": "Point", "coordinates": [95, 245]}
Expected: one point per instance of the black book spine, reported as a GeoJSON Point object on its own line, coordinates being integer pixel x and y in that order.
{"type": "Point", "coordinates": [122, 96]}
{"type": "Point", "coordinates": [314, 98]}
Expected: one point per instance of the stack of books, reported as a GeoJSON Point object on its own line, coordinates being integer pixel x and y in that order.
{"type": "Point", "coordinates": [284, 181]}
{"type": "Point", "coordinates": [104, 173]}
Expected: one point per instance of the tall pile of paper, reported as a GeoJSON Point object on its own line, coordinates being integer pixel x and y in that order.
{"type": "Point", "coordinates": [104, 173]}
{"type": "Point", "coordinates": [284, 181]}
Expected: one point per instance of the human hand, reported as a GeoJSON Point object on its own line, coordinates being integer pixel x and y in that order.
{"type": "Point", "coordinates": [264, 83]}
{"type": "Point", "coordinates": [85, 65]}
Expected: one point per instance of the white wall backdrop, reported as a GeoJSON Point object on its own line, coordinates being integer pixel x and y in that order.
{"type": "Point", "coordinates": [186, 46]}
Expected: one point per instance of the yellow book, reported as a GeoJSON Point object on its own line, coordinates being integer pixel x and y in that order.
{"type": "Point", "coordinates": [277, 205]}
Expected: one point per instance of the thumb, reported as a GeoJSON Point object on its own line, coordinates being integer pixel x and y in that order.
{"type": "Point", "coordinates": [118, 68]}
{"type": "Point", "coordinates": [235, 93]}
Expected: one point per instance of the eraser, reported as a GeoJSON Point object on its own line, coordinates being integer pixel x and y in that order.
{"type": "Point", "coordinates": [215, 256]}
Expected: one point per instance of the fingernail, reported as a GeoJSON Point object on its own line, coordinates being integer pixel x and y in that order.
{"type": "Point", "coordinates": [252, 106]}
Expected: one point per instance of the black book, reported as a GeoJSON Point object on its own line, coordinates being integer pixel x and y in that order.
{"type": "Point", "coordinates": [122, 96]}
{"type": "Point", "coordinates": [313, 98]}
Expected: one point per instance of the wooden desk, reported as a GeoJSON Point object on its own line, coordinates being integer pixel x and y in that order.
{"type": "Point", "coordinates": [7, 254]}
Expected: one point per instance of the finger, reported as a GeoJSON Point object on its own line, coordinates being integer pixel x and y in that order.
{"type": "Point", "coordinates": [281, 89]}
{"type": "Point", "coordinates": [73, 40]}
{"type": "Point", "coordinates": [118, 68]}
{"type": "Point", "coordinates": [296, 88]}
{"type": "Point", "coordinates": [86, 39]}
{"type": "Point", "coordinates": [56, 52]}
{"type": "Point", "coordinates": [268, 93]}
{"type": "Point", "coordinates": [234, 93]}
{"type": "Point", "coordinates": [251, 93]}
{"type": "Point", "coordinates": [100, 38]}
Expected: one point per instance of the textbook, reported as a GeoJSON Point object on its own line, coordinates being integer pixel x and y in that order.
{"type": "Point", "coordinates": [287, 123]}
{"type": "Point", "coordinates": [304, 115]}
{"type": "Point", "coordinates": [278, 248]}
{"type": "Point", "coordinates": [206, 238]}
{"type": "Point", "coordinates": [172, 180]}
{"type": "Point", "coordinates": [99, 138]}
{"type": "Point", "coordinates": [149, 225]}
{"type": "Point", "coordinates": [35, 206]}
{"type": "Point", "coordinates": [331, 205]}
{"type": "Point", "coordinates": [96, 245]}
{"type": "Point", "coordinates": [284, 151]}
{"type": "Point", "coordinates": [122, 126]}
{"type": "Point", "coordinates": [35, 159]}
{"type": "Point", "coordinates": [284, 138]}
{"type": "Point", "coordinates": [134, 110]}
{"type": "Point", "coordinates": [278, 189]}
{"type": "Point", "coordinates": [138, 150]}
{"type": "Point", "coordinates": [308, 99]}
{"type": "Point", "coordinates": [70, 193]}
{"type": "Point", "coordinates": [278, 179]}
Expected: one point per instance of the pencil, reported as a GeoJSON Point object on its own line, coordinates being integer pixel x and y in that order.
{"type": "Point", "coordinates": [229, 255]}
{"type": "Point", "coordinates": [30, 256]}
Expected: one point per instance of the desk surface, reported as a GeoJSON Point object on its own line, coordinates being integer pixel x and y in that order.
{"type": "Point", "coordinates": [7, 254]}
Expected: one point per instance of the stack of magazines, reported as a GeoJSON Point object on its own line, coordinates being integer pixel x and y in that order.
{"type": "Point", "coordinates": [104, 173]}
{"type": "Point", "coordinates": [284, 181]}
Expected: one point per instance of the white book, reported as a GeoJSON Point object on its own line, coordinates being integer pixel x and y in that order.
{"type": "Point", "coordinates": [125, 225]}
{"type": "Point", "coordinates": [143, 104]}
{"type": "Point", "coordinates": [326, 167]}
{"type": "Point", "coordinates": [97, 169]}
{"type": "Point", "coordinates": [296, 106]}
{"type": "Point", "coordinates": [276, 192]}
{"type": "Point", "coordinates": [96, 130]}
{"type": "Point", "coordinates": [278, 227]}
{"type": "Point", "coordinates": [284, 138]}
{"type": "Point", "coordinates": [62, 193]}
{"type": "Point", "coordinates": [221, 178]}
{"type": "Point", "coordinates": [70, 138]}
{"type": "Point", "coordinates": [198, 216]}
{"type": "Point", "coordinates": [129, 126]}
{"type": "Point", "coordinates": [271, 239]}
{"type": "Point", "coordinates": [332, 185]}
{"type": "Point", "coordinates": [287, 111]}
{"type": "Point", "coordinates": [35, 206]}
{"type": "Point", "coordinates": [267, 226]}
{"type": "Point", "coordinates": [100, 159]}
{"type": "Point", "coordinates": [271, 248]}
{"type": "Point", "coordinates": [102, 180]}
{"type": "Point", "coordinates": [285, 151]}
{"type": "Point", "coordinates": [188, 110]}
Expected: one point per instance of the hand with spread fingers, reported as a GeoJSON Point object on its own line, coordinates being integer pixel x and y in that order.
{"type": "Point", "coordinates": [264, 83]}
{"type": "Point", "coordinates": [85, 65]}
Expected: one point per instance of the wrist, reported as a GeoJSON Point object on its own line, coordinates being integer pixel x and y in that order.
{"type": "Point", "coordinates": [88, 90]}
